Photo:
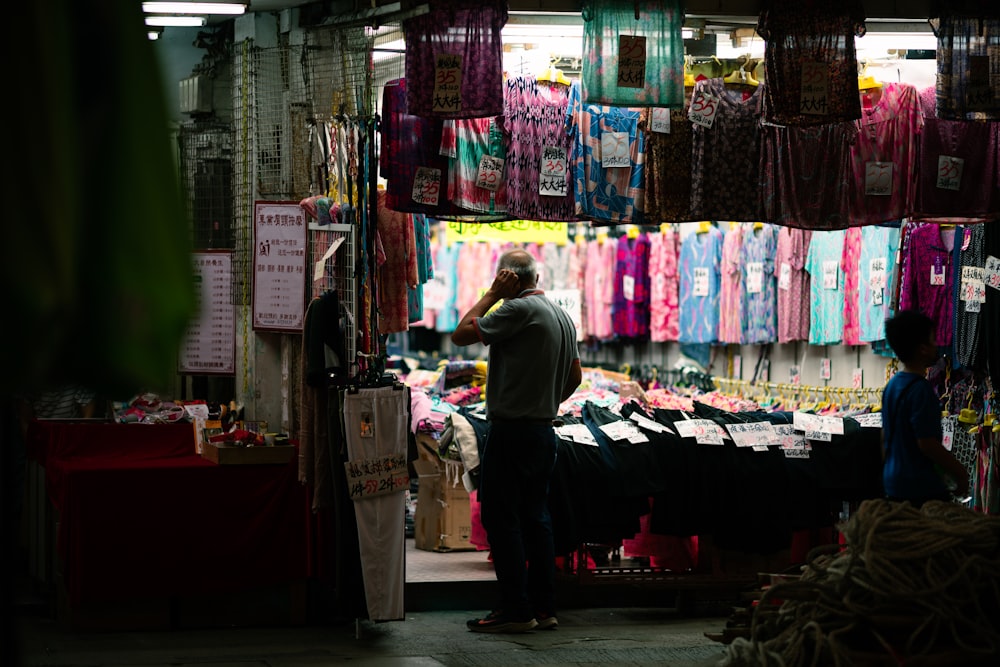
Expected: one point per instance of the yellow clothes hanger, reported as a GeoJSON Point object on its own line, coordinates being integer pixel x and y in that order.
{"type": "Point", "coordinates": [632, 231]}
{"type": "Point", "coordinates": [703, 227]}
{"type": "Point", "coordinates": [866, 81]}
{"type": "Point", "coordinates": [741, 77]}
{"type": "Point", "coordinates": [553, 74]}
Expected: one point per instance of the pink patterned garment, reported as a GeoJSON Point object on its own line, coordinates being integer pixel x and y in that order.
{"type": "Point", "coordinates": [730, 301]}
{"type": "Point", "coordinates": [664, 310]}
{"type": "Point", "coordinates": [475, 271]}
{"type": "Point", "coordinates": [885, 157]}
{"type": "Point", "coordinates": [399, 271]}
{"type": "Point", "coordinates": [600, 285]}
{"type": "Point", "coordinates": [793, 284]}
{"type": "Point", "coordinates": [577, 279]}
{"type": "Point", "coordinates": [850, 268]}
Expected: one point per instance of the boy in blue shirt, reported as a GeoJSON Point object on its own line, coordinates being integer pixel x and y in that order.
{"type": "Point", "coordinates": [913, 454]}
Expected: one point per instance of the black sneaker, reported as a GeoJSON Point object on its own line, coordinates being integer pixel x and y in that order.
{"type": "Point", "coordinates": [546, 621]}
{"type": "Point", "coordinates": [498, 622]}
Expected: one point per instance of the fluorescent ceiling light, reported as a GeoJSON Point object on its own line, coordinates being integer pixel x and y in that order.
{"type": "Point", "coordinates": [687, 33]}
{"type": "Point", "coordinates": [194, 7]}
{"type": "Point", "coordinates": [176, 21]}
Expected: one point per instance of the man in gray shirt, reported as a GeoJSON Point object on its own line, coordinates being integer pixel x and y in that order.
{"type": "Point", "coordinates": [534, 365]}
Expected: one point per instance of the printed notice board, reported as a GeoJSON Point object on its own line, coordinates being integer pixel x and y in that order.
{"type": "Point", "coordinates": [209, 346]}
{"type": "Point", "coordinates": [279, 266]}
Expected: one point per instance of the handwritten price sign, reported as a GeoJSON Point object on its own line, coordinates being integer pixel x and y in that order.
{"type": "Point", "coordinates": [752, 434]}
{"type": "Point", "coordinates": [659, 120]}
{"type": "Point", "coordinates": [814, 89]}
{"type": "Point", "coordinates": [755, 277]}
{"type": "Point", "coordinates": [447, 96]}
{"type": "Point", "coordinates": [552, 172]}
{"type": "Point", "coordinates": [704, 431]}
{"type": "Point", "coordinates": [614, 149]}
{"type": "Point", "coordinates": [378, 476]}
{"type": "Point", "coordinates": [631, 61]}
{"type": "Point", "coordinates": [949, 173]}
{"type": "Point", "coordinates": [704, 108]}
{"type": "Point", "coordinates": [878, 179]}
{"type": "Point", "coordinates": [426, 186]}
{"type": "Point", "coordinates": [490, 173]}
{"type": "Point", "coordinates": [992, 273]}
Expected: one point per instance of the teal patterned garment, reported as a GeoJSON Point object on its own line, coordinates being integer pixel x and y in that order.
{"type": "Point", "coordinates": [633, 53]}
{"type": "Point", "coordinates": [877, 266]}
{"type": "Point", "coordinates": [826, 324]}
{"type": "Point", "coordinates": [760, 300]}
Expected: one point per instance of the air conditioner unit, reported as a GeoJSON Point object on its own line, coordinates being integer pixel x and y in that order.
{"type": "Point", "coordinates": [196, 94]}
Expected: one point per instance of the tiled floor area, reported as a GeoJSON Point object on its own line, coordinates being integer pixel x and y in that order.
{"type": "Point", "coordinates": [431, 566]}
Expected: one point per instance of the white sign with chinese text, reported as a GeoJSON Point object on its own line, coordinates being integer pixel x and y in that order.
{"type": "Point", "coordinates": [210, 342]}
{"type": "Point", "coordinates": [279, 266]}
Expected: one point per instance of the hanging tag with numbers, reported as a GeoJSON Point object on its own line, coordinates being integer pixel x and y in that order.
{"type": "Point", "coordinates": [552, 172]}
{"type": "Point", "coordinates": [992, 273]}
{"type": "Point", "coordinates": [631, 61]}
{"type": "Point", "coordinates": [628, 287]}
{"type": "Point", "coordinates": [447, 96]}
{"type": "Point", "coordinates": [785, 276]}
{"type": "Point", "coordinates": [876, 279]}
{"type": "Point", "coordinates": [614, 149]}
{"type": "Point", "coordinates": [659, 120]}
{"type": "Point", "coordinates": [937, 272]}
{"type": "Point", "coordinates": [755, 277]}
{"type": "Point", "coordinates": [700, 281]}
{"type": "Point", "coordinates": [878, 178]}
{"type": "Point", "coordinates": [490, 173]}
{"type": "Point", "coordinates": [794, 375]}
{"type": "Point", "coordinates": [858, 378]}
{"type": "Point", "coordinates": [973, 306]}
{"type": "Point", "coordinates": [949, 172]}
{"type": "Point", "coordinates": [426, 186]}
{"type": "Point", "coordinates": [814, 89]}
{"type": "Point", "coordinates": [704, 108]}
{"type": "Point", "coordinates": [831, 274]}
{"type": "Point", "coordinates": [824, 369]}
{"type": "Point", "coordinates": [947, 433]}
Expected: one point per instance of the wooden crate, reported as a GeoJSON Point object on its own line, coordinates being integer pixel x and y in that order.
{"type": "Point", "coordinates": [227, 454]}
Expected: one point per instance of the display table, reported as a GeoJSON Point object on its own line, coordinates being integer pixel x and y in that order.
{"type": "Point", "coordinates": [142, 516]}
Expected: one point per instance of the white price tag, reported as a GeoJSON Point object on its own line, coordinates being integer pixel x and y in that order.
{"type": "Point", "coordinates": [973, 306]}
{"type": "Point", "coordinates": [624, 430]}
{"type": "Point", "coordinates": [949, 173]}
{"type": "Point", "coordinates": [631, 61]}
{"type": "Point", "coordinates": [490, 173]}
{"type": "Point", "coordinates": [704, 108]}
{"type": "Point", "coordinates": [645, 422]}
{"type": "Point", "coordinates": [857, 378]}
{"type": "Point", "coordinates": [796, 453]}
{"type": "Point", "coordinates": [614, 149]}
{"type": "Point", "coordinates": [426, 186]}
{"type": "Point", "coordinates": [700, 281]}
{"type": "Point", "coordinates": [814, 88]}
{"type": "Point", "coordinates": [937, 274]}
{"type": "Point", "coordinates": [819, 436]}
{"type": "Point", "coordinates": [704, 431]}
{"type": "Point", "coordinates": [973, 290]}
{"type": "Point", "coordinates": [947, 433]}
{"type": "Point", "coordinates": [824, 369]}
{"type": "Point", "coordinates": [785, 276]}
{"type": "Point", "coordinates": [876, 273]}
{"type": "Point", "coordinates": [577, 433]}
{"type": "Point", "coordinates": [878, 178]}
{"type": "Point", "coordinates": [659, 120]}
{"type": "Point", "coordinates": [794, 375]}
{"type": "Point", "coordinates": [804, 421]}
{"type": "Point", "coordinates": [831, 274]}
{"type": "Point", "coordinates": [628, 287]}
{"type": "Point", "coordinates": [755, 277]}
{"type": "Point", "coordinates": [752, 434]}
{"type": "Point", "coordinates": [552, 172]}
{"type": "Point", "coordinates": [447, 97]}
{"type": "Point", "coordinates": [992, 272]}
{"type": "Point", "coordinates": [788, 438]}
{"type": "Point", "coordinates": [869, 420]}
{"type": "Point", "coordinates": [737, 366]}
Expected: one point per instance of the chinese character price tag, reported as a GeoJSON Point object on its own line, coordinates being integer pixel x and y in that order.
{"type": "Point", "coordinates": [426, 186]}
{"type": "Point", "coordinates": [992, 273]}
{"type": "Point", "coordinates": [831, 274]}
{"type": "Point", "coordinates": [369, 478]}
{"type": "Point", "coordinates": [809, 423]}
{"type": "Point", "coordinates": [614, 149]}
{"type": "Point", "coordinates": [447, 96]}
{"type": "Point", "coordinates": [949, 172]}
{"type": "Point", "coordinates": [752, 434]}
{"type": "Point", "coordinates": [649, 424]}
{"type": "Point", "coordinates": [631, 61]}
{"type": "Point", "coordinates": [755, 277]}
{"type": "Point", "coordinates": [700, 281]}
{"type": "Point", "coordinates": [659, 120]}
{"type": "Point", "coordinates": [878, 178]}
{"type": "Point", "coordinates": [624, 430]}
{"type": "Point", "coordinates": [857, 378]}
{"type": "Point", "coordinates": [869, 420]}
{"type": "Point", "coordinates": [703, 109]}
{"type": "Point", "coordinates": [785, 276]}
{"type": "Point", "coordinates": [577, 433]}
{"type": "Point", "coordinates": [824, 369]}
{"type": "Point", "coordinates": [937, 272]}
{"type": "Point", "coordinates": [704, 431]}
{"type": "Point", "coordinates": [490, 173]}
{"type": "Point", "coordinates": [628, 287]}
{"type": "Point", "coordinates": [815, 87]}
{"type": "Point", "coordinates": [552, 172]}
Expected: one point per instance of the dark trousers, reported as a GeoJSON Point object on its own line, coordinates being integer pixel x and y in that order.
{"type": "Point", "coordinates": [517, 462]}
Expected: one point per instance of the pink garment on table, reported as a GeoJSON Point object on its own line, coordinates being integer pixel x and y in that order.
{"type": "Point", "coordinates": [851, 270]}
{"type": "Point", "coordinates": [793, 295]}
{"type": "Point", "coordinates": [888, 132]}
{"type": "Point", "coordinates": [599, 292]}
{"type": "Point", "coordinates": [421, 407]}
{"type": "Point", "coordinates": [399, 271]}
{"type": "Point", "coordinates": [664, 310]}
{"type": "Point", "coordinates": [731, 290]}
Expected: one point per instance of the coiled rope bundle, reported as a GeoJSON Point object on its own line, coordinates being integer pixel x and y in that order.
{"type": "Point", "coordinates": [913, 587]}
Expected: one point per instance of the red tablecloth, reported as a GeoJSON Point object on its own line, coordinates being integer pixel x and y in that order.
{"type": "Point", "coordinates": [141, 515]}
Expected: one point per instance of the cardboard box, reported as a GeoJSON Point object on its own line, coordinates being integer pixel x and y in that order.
{"type": "Point", "coordinates": [227, 454]}
{"type": "Point", "coordinates": [443, 521]}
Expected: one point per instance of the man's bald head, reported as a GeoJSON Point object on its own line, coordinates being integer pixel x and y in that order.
{"type": "Point", "coordinates": [522, 264]}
